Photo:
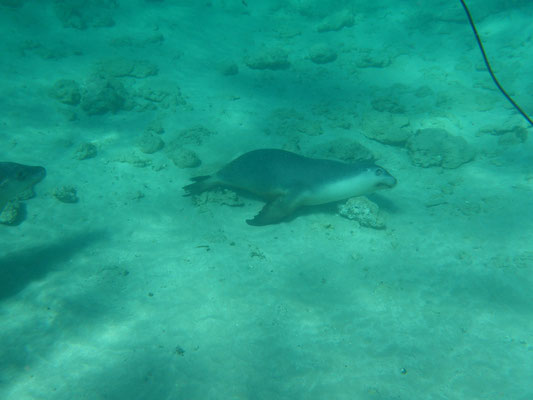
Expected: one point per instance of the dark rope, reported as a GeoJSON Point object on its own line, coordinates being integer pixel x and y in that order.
{"type": "Point", "coordinates": [489, 67]}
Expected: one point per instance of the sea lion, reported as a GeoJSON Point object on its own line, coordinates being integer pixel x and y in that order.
{"type": "Point", "coordinates": [16, 179]}
{"type": "Point", "coordinates": [288, 181]}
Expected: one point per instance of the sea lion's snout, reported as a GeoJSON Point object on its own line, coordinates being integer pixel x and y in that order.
{"type": "Point", "coordinates": [384, 179]}
{"type": "Point", "coordinates": [31, 175]}
{"type": "Point", "coordinates": [389, 181]}
{"type": "Point", "coordinates": [26, 173]}
{"type": "Point", "coordinates": [39, 173]}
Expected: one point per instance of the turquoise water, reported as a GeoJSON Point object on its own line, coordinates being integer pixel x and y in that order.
{"type": "Point", "coordinates": [115, 286]}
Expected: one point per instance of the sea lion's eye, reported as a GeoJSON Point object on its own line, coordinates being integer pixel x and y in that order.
{"type": "Point", "coordinates": [21, 175]}
{"type": "Point", "coordinates": [379, 172]}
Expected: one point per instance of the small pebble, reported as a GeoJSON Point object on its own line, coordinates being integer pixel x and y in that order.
{"type": "Point", "coordinates": [66, 194]}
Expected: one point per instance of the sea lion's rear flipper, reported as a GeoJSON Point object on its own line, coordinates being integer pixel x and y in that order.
{"type": "Point", "coordinates": [201, 184]}
{"type": "Point", "coordinates": [274, 211]}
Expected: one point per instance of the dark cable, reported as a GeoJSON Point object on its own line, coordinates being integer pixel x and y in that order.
{"type": "Point", "coordinates": [489, 67]}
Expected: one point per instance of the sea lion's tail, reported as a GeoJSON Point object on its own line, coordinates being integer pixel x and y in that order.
{"type": "Point", "coordinates": [201, 184]}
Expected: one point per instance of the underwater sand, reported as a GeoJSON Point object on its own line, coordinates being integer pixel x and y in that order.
{"type": "Point", "coordinates": [134, 292]}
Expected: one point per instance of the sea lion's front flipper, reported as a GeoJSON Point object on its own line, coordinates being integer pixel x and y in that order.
{"type": "Point", "coordinates": [274, 211]}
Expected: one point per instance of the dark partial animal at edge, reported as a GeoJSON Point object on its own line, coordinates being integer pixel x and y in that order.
{"type": "Point", "coordinates": [16, 179]}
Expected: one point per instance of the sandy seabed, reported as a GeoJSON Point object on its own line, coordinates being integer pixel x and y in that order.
{"type": "Point", "coordinates": [135, 292]}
